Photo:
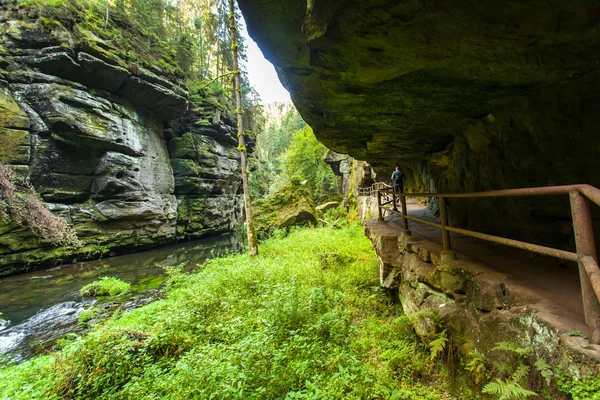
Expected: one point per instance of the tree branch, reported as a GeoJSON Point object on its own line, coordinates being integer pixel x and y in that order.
{"type": "Point", "coordinates": [219, 77]}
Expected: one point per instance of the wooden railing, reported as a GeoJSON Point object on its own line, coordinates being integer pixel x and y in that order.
{"type": "Point", "coordinates": [586, 257]}
{"type": "Point", "coordinates": [372, 190]}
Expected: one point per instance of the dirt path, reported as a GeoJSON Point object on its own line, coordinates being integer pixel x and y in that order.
{"type": "Point", "coordinates": [550, 286]}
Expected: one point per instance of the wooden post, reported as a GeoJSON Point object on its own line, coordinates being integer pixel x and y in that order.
{"type": "Point", "coordinates": [447, 253]}
{"type": "Point", "coordinates": [405, 230]}
{"type": "Point", "coordinates": [379, 212]}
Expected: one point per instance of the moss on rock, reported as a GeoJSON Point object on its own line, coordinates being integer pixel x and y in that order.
{"type": "Point", "coordinates": [106, 286]}
{"type": "Point", "coordinates": [292, 205]}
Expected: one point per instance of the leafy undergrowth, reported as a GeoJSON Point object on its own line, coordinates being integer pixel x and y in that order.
{"type": "Point", "coordinates": [304, 320]}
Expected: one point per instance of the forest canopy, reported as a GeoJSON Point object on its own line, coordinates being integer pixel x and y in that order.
{"type": "Point", "coordinates": [187, 39]}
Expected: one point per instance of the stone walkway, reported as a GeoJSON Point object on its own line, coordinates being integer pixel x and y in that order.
{"type": "Point", "coordinates": [548, 285]}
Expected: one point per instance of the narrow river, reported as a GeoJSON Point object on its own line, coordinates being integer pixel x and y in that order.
{"type": "Point", "coordinates": [40, 307]}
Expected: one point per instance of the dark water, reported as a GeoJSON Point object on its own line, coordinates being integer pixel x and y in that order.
{"type": "Point", "coordinates": [39, 307]}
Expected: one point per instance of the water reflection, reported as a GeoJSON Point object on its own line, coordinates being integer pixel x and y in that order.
{"type": "Point", "coordinates": [39, 307]}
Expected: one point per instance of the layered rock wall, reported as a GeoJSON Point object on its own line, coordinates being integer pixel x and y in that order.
{"type": "Point", "coordinates": [463, 96]}
{"type": "Point", "coordinates": [89, 130]}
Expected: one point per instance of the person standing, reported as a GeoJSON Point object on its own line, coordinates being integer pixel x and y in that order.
{"type": "Point", "coordinates": [398, 180]}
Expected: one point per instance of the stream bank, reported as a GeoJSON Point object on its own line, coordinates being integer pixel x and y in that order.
{"type": "Point", "coordinates": [40, 307]}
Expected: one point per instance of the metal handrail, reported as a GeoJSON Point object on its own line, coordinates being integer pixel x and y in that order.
{"type": "Point", "coordinates": [580, 196]}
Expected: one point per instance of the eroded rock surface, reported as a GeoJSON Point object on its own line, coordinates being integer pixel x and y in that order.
{"type": "Point", "coordinates": [291, 206]}
{"type": "Point", "coordinates": [91, 133]}
{"type": "Point", "coordinates": [464, 96]}
{"type": "Point", "coordinates": [476, 305]}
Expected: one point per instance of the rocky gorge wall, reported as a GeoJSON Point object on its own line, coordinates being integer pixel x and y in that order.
{"type": "Point", "coordinates": [91, 131]}
{"type": "Point", "coordinates": [464, 95]}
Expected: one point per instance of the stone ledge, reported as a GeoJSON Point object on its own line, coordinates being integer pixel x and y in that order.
{"type": "Point", "coordinates": [476, 305]}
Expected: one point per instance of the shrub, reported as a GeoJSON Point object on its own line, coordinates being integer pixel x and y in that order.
{"type": "Point", "coordinates": [106, 286]}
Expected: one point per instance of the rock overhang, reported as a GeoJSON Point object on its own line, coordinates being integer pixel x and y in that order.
{"type": "Point", "coordinates": [386, 81]}
{"type": "Point", "coordinates": [463, 95]}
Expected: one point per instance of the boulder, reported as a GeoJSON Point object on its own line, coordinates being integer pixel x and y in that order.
{"type": "Point", "coordinates": [291, 206]}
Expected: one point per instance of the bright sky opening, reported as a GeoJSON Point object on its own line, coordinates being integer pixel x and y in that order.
{"type": "Point", "coordinates": [262, 75]}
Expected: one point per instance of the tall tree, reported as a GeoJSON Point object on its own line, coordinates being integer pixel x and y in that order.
{"type": "Point", "coordinates": [237, 87]}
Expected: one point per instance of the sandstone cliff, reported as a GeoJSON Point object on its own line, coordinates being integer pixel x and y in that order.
{"type": "Point", "coordinates": [464, 95]}
{"type": "Point", "coordinates": [89, 128]}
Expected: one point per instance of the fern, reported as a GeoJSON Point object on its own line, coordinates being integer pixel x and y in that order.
{"type": "Point", "coordinates": [437, 346]}
{"type": "Point", "coordinates": [513, 347]}
{"type": "Point", "coordinates": [477, 365]}
{"type": "Point", "coordinates": [507, 390]}
{"type": "Point", "coordinates": [520, 373]}
{"type": "Point", "coordinates": [511, 388]}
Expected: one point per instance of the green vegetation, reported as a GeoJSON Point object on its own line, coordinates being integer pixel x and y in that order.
{"type": "Point", "coordinates": [287, 152]}
{"type": "Point", "coordinates": [106, 286]}
{"type": "Point", "coordinates": [186, 41]}
{"type": "Point", "coordinates": [586, 387]}
{"type": "Point", "coordinates": [89, 314]}
{"type": "Point", "coordinates": [305, 320]}
{"type": "Point", "coordinates": [512, 386]}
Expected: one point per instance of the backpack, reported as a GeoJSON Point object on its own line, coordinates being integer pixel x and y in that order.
{"type": "Point", "coordinates": [399, 178]}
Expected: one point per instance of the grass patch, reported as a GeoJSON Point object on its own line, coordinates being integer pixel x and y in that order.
{"type": "Point", "coordinates": [106, 286]}
{"type": "Point", "coordinates": [304, 320]}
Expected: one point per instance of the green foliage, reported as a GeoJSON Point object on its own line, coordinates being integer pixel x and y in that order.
{"type": "Point", "coordinates": [275, 326]}
{"type": "Point", "coordinates": [586, 387]}
{"type": "Point", "coordinates": [438, 345]}
{"type": "Point", "coordinates": [106, 286]}
{"type": "Point", "coordinates": [476, 366]}
{"type": "Point", "coordinates": [511, 387]}
{"type": "Point", "coordinates": [512, 347]}
{"type": "Point", "coordinates": [337, 216]}
{"type": "Point", "coordinates": [544, 369]}
{"type": "Point", "coordinates": [271, 142]}
{"type": "Point", "coordinates": [303, 160]}
{"type": "Point", "coordinates": [89, 314]}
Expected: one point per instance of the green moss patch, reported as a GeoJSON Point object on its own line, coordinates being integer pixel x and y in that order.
{"type": "Point", "coordinates": [292, 205]}
{"type": "Point", "coordinates": [106, 286]}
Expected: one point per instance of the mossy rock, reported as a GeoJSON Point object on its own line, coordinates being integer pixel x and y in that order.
{"type": "Point", "coordinates": [293, 205]}
{"type": "Point", "coordinates": [106, 286]}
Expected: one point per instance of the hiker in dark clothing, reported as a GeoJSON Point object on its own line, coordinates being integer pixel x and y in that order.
{"type": "Point", "coordinates": [398, 180]}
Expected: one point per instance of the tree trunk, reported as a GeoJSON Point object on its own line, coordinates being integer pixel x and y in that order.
{"type": "Point", "coordinates": [237, 88]}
